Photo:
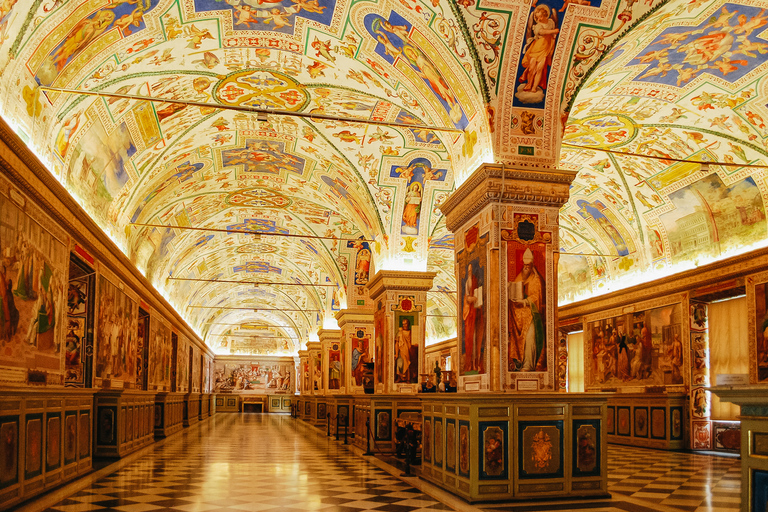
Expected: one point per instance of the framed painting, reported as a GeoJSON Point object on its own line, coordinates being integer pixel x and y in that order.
{"type": "Point", "coordinates": [493, 446]}
{"type": "Point", "coordinates": [586, 453]}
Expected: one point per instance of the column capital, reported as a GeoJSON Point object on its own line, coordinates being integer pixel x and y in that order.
{"type": "Point", "coordinates": [357, 316]}
{"type": "Point", "coordinates": [329, 335]}
{"type": "Point", "coordinates": [313, 345]}
{"type": "Point", "coordinates": [400, 280]}
{"type": "Point", "coordinates": [497, 183]}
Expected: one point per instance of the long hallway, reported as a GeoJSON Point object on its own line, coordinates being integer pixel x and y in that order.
{"type": "Point", "coordinates": [263, 462]}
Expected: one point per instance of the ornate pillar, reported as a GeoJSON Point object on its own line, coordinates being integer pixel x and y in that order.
{"type": "Point", "coordinates": [400, 299]}
{"type": "Point", "coordinates": [505, 225]}
{"type": "Point", "coordinates": [302, 375]}
{"type": "Point", "coordinates": [333, 361]}
{"type": "Point", "coordinates": [314, 348]}
{"type": "Point", "coordinates": [357, 338]}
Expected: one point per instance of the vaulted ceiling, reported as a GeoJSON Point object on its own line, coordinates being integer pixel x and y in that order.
{"type": "Point", "coordinates": [254, 158]}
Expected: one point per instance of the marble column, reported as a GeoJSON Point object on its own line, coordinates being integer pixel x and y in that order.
{"type": "Point", "coordinates": [505, 225]}
{"type": "Point", "coordinates": [400, 299]}
{"type": "Point", "coordinates": [314, 348]}
{"type": "Point", "coordinates": [357, 339]}
{"type": "Point", "coordinates": [333, 361]}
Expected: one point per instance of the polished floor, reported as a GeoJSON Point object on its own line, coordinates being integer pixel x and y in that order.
{"type": "Point", "coordinates": [275, 463]}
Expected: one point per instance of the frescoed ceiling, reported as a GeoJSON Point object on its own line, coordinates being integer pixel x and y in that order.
{"type": "Point", "coordinates": [254, 158]}
{"type": "Point", "coordinates": [688, 84]}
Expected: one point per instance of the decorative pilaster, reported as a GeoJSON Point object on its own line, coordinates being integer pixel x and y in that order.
{"type": "Point", "coordinates": [505, 223]}
{"type": "Point", "coordinates": [303, 373]}
{"type": "Point", "coordinates": [333, 361]}
{"type": "Point", "coordinates": [400, 299]}
{"type": "Point", "coordinates": [357, 338]}
{"type": "Point", "coordinates": [314, 348]}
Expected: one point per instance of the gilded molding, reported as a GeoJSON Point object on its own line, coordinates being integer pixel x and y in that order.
{"type": "Point", "coordinates": [400, 280]}
{"type": "Point", "coordinates": [498, 184]}
{"type": "Point", "coordinates": [56, 202]}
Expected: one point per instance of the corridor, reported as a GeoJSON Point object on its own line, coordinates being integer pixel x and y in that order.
{"type": "Point", "coordinates": [263, 462]}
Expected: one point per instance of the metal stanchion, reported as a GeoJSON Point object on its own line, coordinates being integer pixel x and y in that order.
{"type": "Point", "coordinates": [346, 427]}
{"type": "Point", "coordinates": [368, 437]}
{"type": "Point", "coordinates": [410, 448]}
{"type": "Point", "coordinates": [337, 425]}
{"type": "Point", "coordinates": [328, 423]}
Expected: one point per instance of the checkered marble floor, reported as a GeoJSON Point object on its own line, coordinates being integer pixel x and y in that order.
{"type": "Point", "coordinates": [250, 462]}
{"type": "Point", "coordinates": [689, 482]}
{"type": "Point", "coordinates": [255, 462]}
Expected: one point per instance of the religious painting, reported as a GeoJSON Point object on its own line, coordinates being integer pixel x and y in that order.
{"type": "Point", "coordinates": [361, 342]}
{"type": "Point", "coordinates": [73, 350]}
{"type": "Point", "coordinates": [526, 307]}
{"type": "Point", "coordinates": [279, 16]}
{"type": "Point", "coordinates": [676, 423]}
{"type": "Point", "coordinates": [380, 332]}
{"type": "Point", "coordinates": [586, 441]}
{"type": "Point", "coordinates": [450, 444]}
{"type": "Point", "coordinates": [77, 297]}
{"type": "Point", "coordinates": [641, 422]}
{"type": "Point", "coordinates": [335, 366]}
{"type": "Point", "coordinates": [542, 449]}
{"type": "Point", "coordinates": [32, 294]}
{"type": "Point", "coordinates": [181, 358]}
{"type": "Point", "coordinates": [471, 263]}
{"type": "Point", "coordinates": [610, 422]}
{"type": "Point", "coordinates": [658, 423]}
{"type": "Point", "coordinates": [623, 425]}
{"type": "Point", "coordinates": [252, 376]}
{"type": "Point", "coordinates": [721, 45]}
{"type": "Point", "coordinates": [426, 440]}
{"type": "Point", "coordinates": [53, 441]}
{"type": "Point", "coordinates": [9, 450]}
{"type": "Point", "coordinates": [84, 436]}
{"type": "Point", "coordinates": [607, 226]}
{"type": "Point", "coordinates": [464, 448]}
{"type": "Point", "coordinates": [710, 218]}
{"type": "Point", "coordinates": [161, 352]}
{"type": "Point", "coordinates": [541, 32]}
{"type": "Point", "coordinates": [416, 174]}
{"type": "Point", "coordinates": [363, 257]}
{"type": "Point", "coordinates": [70, 437]}
{"type": "Point", "coordinates": [127, 18]}
{"type": "Point", "coordinates": [406, 349]}
{"type": "Point", "coordinates": [700, 403]}
{"type": "Point", "coordinates": [636, 348]}
{"type": "Point", "coordinates": [383, 425]}
{"type": "Point", "coordinates": [34, 451]}
{"type": "Point", "coordinates": [116, 330]}
{"type": "Point", "coordinates": [397, 43]}
{"type": "Point", "coordinates": [438, 442]}
{"type": "Point", "coordinates": [493, 449]}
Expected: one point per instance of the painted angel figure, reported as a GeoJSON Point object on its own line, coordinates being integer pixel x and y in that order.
{"type": "Point", "coordinates": [540, 40]}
